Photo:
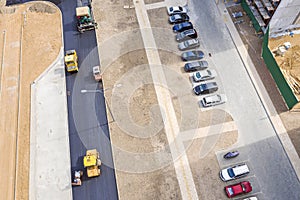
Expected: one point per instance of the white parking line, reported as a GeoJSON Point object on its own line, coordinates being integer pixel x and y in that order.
{"type": "Point", "coordinates": [155, 5]}
{"type": "Point", "coordinates": [208, 131]}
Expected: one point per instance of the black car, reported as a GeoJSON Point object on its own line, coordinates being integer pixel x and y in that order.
{"type": "Point", "coordinates": [192, 55]}
{"type": "Point", "coordinates": [205, 88]}
{"type": "Point", "coordinates": [195, 66]}
{"type": "Point", "coordinates": [182, 26]}
{"type": "Point", "coordinates": [187, 34]}
{"type": "Point", "coordinates": [178, 18]}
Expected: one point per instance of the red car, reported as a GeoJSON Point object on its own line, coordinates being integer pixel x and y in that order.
{"type": "Point", "coordinates": [239, 188]}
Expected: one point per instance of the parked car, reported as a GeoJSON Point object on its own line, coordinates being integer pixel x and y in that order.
{"type": "Point", "coordinates": [187, 34]}
{"type": "Point", "coordinates": [205, 88]}
{"type": "Point", "coordinates": [192, 55]}
{"type": "Point", "coordinates": [188, 44]}
{"type": "Point", "coordinates": [176, 10]}
{"type": "Point", "coordinates": [237, 189]}
{"type": "Point", "coordinates": [213, 100]}
{"type": "Point", "coordinates": [234, 172]}
{"type": "Point", "coordinates": [182, 26]}
{"type": "Point", "coordinates": [251, 198]}
{"type": "Point", "coordinates": [237, 14]}
{"type": "Point", "coordinates": [231, 154]}
{"type": "Point", "coordinates": [178, 18]}
{"type": "Point", "coordinates": [195, 66]}
{"type": "Point", "coordinates": [204, 75]}
{"type": "Point", "coordinates": [238, 21]}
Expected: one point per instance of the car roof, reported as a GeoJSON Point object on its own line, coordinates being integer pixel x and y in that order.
{"type": "Point", "coordinates": [186, 24]}
{"type": "Point", "coordinates": [237, 188]}
{"type": "Point", "coordinates": [189, 31]}
{"type": "Point", "coordinates": [210, 84]}
{"type": "Point", "coordinates": [213, 98]}
{"type": "Point", "coordinates": [198, 63]}
{"type": "Point", "coordinates": [240, 169]}
{"type": "Point", "coordinates": [203, 73]}
{"type": "Point", "coordinates": [192, 41]}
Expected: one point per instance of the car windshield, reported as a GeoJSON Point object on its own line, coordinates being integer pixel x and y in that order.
{"type": "Point", "coordinates": [183, 34]}
{"type": "Point", "coordinates": [174, 17]}
{"type": "Point", "coordinates": [243, 187]}
{"type": "Point", "coordinates": [230, 191]}
{"type": "Point", "coordinates": [230, 172]}
{"type": "Point", "coordinates": [198, 88]}
{"type": "Point", "coordinates": [190, 53]}
{"type": "Point", "coordinates": [203, 87]}
{"type": "Point", "coordinates": [198, 75]}
{"type": "Point", "coordinates": [171, 9]}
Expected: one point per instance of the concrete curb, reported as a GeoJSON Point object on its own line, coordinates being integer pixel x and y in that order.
{"type": "Point", "coordinates": [275, 120]}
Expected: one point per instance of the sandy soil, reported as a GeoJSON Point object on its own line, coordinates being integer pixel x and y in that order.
{"type": "Point", "coordinates": [25, 54]}
{"type": "Point", "coordinates": [290, 62]}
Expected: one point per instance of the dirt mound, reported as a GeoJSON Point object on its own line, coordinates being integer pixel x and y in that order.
{"type": "Point", "coordinates": [42, 7]}
{"type": "Point", "coordinates": [7, 10]}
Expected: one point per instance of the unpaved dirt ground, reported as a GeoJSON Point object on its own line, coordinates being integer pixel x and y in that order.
{"type": "Point", "coordinates": [19, 69]}
{"type": "Point", "coordinates": [254, 44]}
{"type": "Point", "coordinates": [205, 169]}
{"type": "Point", "coordinates": [152, 1]}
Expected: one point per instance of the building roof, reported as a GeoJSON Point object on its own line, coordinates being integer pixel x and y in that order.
{"type": "Point", "coordinates": [286, 17]}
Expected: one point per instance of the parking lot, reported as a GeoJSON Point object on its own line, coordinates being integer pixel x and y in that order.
{"type": "Point", "coordinates": [186, 106]}
{"type": "Point", "coordinates": [136, 123]}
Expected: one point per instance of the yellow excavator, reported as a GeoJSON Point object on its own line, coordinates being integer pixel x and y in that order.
{"type": "Point", "coordinates": [92, 163]}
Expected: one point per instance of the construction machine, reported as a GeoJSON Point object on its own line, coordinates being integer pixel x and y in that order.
{"type": "Point", "coordinates": [85, 17]}
{"type": "Point", "coordinates": [97, 73]}
{"type": "Point", "coordinates": [77, 178]}
{"type": "Point", "coordinates": [71, 61]}
{"type": "Point", "coordinates": [92, 163]}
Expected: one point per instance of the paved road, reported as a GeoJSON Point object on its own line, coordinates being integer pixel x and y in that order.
{"type": "Point", "coordinates": [271, 168]}
{"type": "Point", "coordinates": [87, 114]}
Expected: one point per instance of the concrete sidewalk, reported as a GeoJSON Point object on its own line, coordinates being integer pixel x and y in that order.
{"type": "Point", "coordinates": [50, 163]}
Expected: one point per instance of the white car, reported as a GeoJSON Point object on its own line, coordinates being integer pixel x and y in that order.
{"type": "Point", "coordinates": [204, 75]}
{"type": "Point", "coordinates": [251, 198]}
{"type": "Point", "coordinates": [234, 172]}
{"type": "Point", "coordinates": [213, 100]}
{"type": "Point", "coordinates": [176, 10]}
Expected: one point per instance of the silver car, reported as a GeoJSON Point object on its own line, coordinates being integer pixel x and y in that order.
{"type": "Point", "coordinates": [213, 100]}
{"type": "Point", "coordinates": [204, 75]}
{"type": "Point", "coordinates": [188, 44]}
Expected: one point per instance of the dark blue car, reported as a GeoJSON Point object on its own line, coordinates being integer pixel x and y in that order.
{"type": "Point", "coordinates": [182, 26]}
{"type": "Point", "coordinates": [205, 88]}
